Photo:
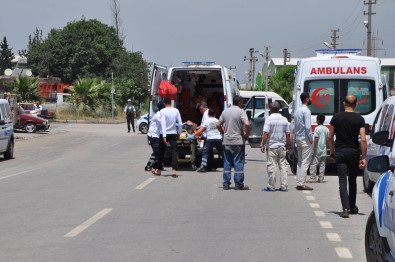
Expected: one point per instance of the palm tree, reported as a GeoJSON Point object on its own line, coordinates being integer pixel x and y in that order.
{"type": "Point", "coordinates": [26, 88]}
{"type": "Point", "coordinates": [85, 92]}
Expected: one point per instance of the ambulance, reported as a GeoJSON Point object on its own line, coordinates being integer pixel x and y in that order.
{"type": "Point", "coordinates": [329, 77]}
{"type": "Point", "coordinates": [195, 82]}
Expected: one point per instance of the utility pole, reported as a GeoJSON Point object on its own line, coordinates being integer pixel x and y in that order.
{"type": "Point", "coordinates": [287, 56]}
{"type": "Point", "coordinates": [266, 55]}
{"type": "Point", "coordinates": [334, 38]}
{"type": "Point", "coordinates": [251, 69]}
{"type": "Point", "coordinates": [369, 3]}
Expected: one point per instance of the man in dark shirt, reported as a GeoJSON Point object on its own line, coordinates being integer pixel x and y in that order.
{"type": "Point", "coordinates": [348, 126]}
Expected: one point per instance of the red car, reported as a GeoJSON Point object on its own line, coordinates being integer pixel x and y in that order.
{"type": "Point", "coordinates": [28, 122]}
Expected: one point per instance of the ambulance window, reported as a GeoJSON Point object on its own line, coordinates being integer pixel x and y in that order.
{"type": "Point", "coordinates": [322, 95]}
{"type": "Point", "coordinates": [376, 119]}
{"type": "Point", "coordinates": [364, 91]}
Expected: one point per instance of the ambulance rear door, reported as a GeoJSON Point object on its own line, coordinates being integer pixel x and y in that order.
{"type": "Point", "coordinates": [159, 73]}
{"type": "Point", "coordinates": [258, 110]}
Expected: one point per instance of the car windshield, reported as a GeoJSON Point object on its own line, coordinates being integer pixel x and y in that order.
{"type": "Point", "coordinates": [28, 106]}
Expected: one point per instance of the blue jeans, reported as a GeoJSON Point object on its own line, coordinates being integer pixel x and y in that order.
{"type": "Point", "coordinates": [234, 157]}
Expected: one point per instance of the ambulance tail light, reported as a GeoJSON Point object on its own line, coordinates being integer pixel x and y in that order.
{"type": "Point", "coordinates": [225, 99]}
{"type": "Point", "coordinates": [150, 98]}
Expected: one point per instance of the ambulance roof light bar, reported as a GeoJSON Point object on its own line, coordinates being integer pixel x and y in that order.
{"type": "Point", "coordinates": [348, 51]}
{"type": "Point", "coordinates": [191, 63]}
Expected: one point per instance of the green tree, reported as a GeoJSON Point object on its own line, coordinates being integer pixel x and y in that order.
{"type": "Point", "coordinates": [85, 92]}
{"type": "Point", "coordinates": [84, 48]}
{"type": "Point", "coordinates": [282, 82]}
{"type": "Point", "coordinates": [26, 88]}
{"type": "Point", "coordinates": [6, 56]}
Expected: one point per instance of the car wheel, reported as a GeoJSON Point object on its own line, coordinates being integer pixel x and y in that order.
{"type": "Point", "coordinates": [376, 247]}
{"type": "Point", "coordinates": [30, 127]}
{"type": "Point", "coordinates": [367, 183]}
{"type": "Point", "coordinates": [143, 127]}
{"type": "Point", "coordinates": [9, 154]}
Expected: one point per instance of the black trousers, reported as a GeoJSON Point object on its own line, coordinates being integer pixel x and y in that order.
{"type": "Point", "coordinates": [347, 162]}
{"type": "Point", "coordinates": [172, 139]}
{"type": "Point", "coordinates": [155, 143]}
{"type": "Point", "coordinates": [130, 120]}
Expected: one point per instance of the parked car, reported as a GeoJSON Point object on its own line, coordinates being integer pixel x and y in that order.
{"type": "Point", "coordinates": [142, 124]}
{"type": "Point", "coordinates": [383, 121]}
{"type": "Point", "coordinates": [380, 227]}
{"type": "Point", "coordinates": [29, 123]}
{"type": "Point", "coordinates": [6, 130]}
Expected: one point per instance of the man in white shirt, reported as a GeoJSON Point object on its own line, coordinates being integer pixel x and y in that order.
{"type": "Point", "coordinates": [275, 141]}
{"type": "Point", "coordinates": [155, 139]}
{"type": "Point", "coordinates": [171, 125]}
{"type": "Point", "coordinates": [213, 139]}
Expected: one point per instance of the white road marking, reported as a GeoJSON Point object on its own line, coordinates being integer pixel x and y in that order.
{"type": "Point", "coordinates": [343, 252]}
{"type": "Point", "coordinates": [145, 183]}
{"type": "Point", "coordinates": [314, 205]}
{"type": "Point", "coordinates": [326, 224]}
{"type": "Point", "coordinates": [76, 231]}
{"type": "Point", "coordinates": [333, 237]}
{"type": "Point", "coordinates": [307, 192]}
{"type": "Point", "coordinates": [319, 214]}
{"type": "Point", "coordinates": [310, 198]}
{"type": "Point", "coordinates": [20, 173]}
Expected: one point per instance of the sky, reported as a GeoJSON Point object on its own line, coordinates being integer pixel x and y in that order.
{"type": "Point", "coordinates": [173, 31]}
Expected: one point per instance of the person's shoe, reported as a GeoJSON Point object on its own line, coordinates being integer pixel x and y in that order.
{"type": "Point", "coordinates": [354, 210]}
{"type": "Point", "coordinates": [312, 180]}
{"type": "Point", "coordinates": [156, 172]}
{"type": "Point", "coordinates": [283, 189]}
{"type": "Point", "coordinates": [304, 188]}
{"type": "Point", "coordinates": [345, 213]}
{"type": "Point", "coordinates": [242, 188]}
{"type": "Point", "coordinates": [148, 168]}
{"type": "Point", "coordinates": [201, 169]}
{"type": "Point", "coordinates": [268, 189]}
{"type": "Point", "coordinates": [226, 187]}
{"type": "Point", "coordinates": [128, 131]}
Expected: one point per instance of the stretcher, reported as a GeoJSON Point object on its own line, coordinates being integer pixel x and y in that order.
{"type": "Point", "coordinates": [186, 148]}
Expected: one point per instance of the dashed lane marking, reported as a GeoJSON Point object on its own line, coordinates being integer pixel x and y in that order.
{"type": "Point", "coordinates": [319, 213]}
{"type": "Point", "coordinates": [343, 252]}
{"type": "Point", "coordinates": [326, 224]}
{"type": "Point", "coordinates": [307, 192]}
{"type": "Point", "coordinates": [333, 237]}
{"type": "Point", "coordinates": [314, 205]}
{"type": "Point", "coordinates": [145, 183]}
{"type": "Point", "coordinates": [76, 231]}
{"type": "Point", "coordinates": [310, 198]}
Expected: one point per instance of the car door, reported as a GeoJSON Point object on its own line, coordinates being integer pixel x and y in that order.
{"type": "Point", "coordinates": [159, 73]}
{"type": "Point", "coordinates": [257, 119]}
{"type": "Point", "coordinates": [389, 211]}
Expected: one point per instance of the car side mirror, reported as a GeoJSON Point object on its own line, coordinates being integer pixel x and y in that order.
{"type": "Point", "coordinates": [2, 122]}
{"type": "Point", "coordinates": [378, 164]}
{"type": "Point", "coordinates": [249, 115]}
{"type": "Point", "coordinates": [381, 138]}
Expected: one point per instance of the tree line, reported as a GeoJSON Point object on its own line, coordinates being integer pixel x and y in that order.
{"type": "Point", "coordinates": [90, 56]}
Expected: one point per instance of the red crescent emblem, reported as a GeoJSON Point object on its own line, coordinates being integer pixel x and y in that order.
{"type": "Point", "coordinates": [363, 100]}
{"type": "Point", "coordinates": [314, 97]}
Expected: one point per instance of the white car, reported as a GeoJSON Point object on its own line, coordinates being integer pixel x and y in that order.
{"type": "Point", "coordinates": [6, 130]}
{"type": "Point", "coordinates": [384, 121]}
{"type": "Point", "coordinates": [142, 124]}
{"type": "Point", "coordinates": [380, 227]}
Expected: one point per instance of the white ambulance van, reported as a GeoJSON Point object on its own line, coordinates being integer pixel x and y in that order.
{"type": "Point", "coordinates": [329, 78]}
{"type": "Point", "coordinates": [196, 82]}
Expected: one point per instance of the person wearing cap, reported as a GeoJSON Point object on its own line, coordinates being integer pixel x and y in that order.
{"type": "Point", "coordinates": [155, 139]}
{"type": "Point", "coordinates": [130, 113]}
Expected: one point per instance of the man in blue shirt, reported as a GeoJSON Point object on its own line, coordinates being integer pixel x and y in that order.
{"type": "Point", "coordinates": [304, 141]}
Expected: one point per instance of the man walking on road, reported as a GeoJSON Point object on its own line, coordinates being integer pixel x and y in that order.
{"type": "Point", "coordinates": [130, 113]}
{"type": "Point", "coordinates": [234, 125]}
{"type": "Point", "coordinates": [304, 141]}
{"type": "Point", "coordinates": [348, 127]}
{"type": "Point", "coordinates": [276, 141]}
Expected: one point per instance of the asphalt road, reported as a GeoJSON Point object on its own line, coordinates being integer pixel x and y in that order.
{"type": "Point", "coordinates": [79, 193]}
